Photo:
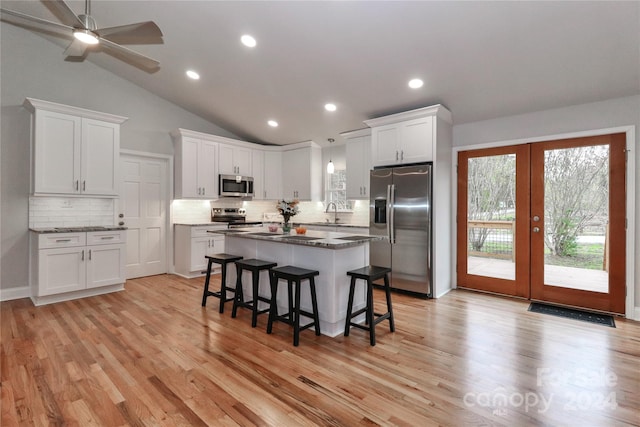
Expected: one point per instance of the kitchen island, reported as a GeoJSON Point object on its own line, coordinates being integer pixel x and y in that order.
{"type": "Point", "coordinates": [331, 253]}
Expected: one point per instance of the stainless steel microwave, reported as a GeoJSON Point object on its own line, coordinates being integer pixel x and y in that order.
{"type": "Point", "coordinates": [235, 186]}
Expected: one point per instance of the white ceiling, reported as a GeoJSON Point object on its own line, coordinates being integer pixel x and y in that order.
{"type": "Point", "coordinates": [481, 60]}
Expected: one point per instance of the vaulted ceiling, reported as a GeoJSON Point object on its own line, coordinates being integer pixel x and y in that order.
{"type": "Point", "coordinates": [481, 60]}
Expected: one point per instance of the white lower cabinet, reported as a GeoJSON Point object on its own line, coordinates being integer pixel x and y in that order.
{"type": "Point", "coordinates": [192, 243]}
{"type": "Point", "coordinates": [74, 265]}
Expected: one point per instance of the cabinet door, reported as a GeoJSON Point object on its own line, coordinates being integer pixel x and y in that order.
{"type": "Point", "coordinates": [187, 169]}
{"type": "Point", "coordinates": [234, 160]}
{"type": "Point", "coordinates": [272, 175]}
{"type": "Point", "coordinates": [296, 178]}
{"type": "Point", "coordinates": [242, 160]}
{"type": "Point", "coordinates": [100, 152]}
{"type": "Point", "coordinates": [358, 165]}
{"type": "Point", "coordinates": [385, 145]}
{"type": "Point", "coordinates": [57, 153]}
{"type": "Point", "coordinates": [207, 171]}
{"type": "Point", "coordinates": [416, 140]}
{"type": "Point", "coordinates": [257, 163]}
{"type": "Point", "coordinates": [61, 270]}
{"type": "Point", "coordinates": [200, 246]}
{"type": "Point", "coordinates": [225, 160]}
{"type": "Point", "coordinates": [105, 265]}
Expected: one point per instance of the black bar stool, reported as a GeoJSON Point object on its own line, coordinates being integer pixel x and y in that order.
{"type": "Point", "coordinates": [370, 274]}
{"type": "Point", "coordinates": [293, 276]}
{"type": "Point", "coordinates": [255, 266]}
{"type": "Point", "coordinates": [222, 259]}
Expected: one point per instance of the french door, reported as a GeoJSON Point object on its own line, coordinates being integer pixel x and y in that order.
{"type": "Point", "coordinates": [545, 221]}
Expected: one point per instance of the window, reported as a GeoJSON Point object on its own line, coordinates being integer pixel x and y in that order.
{"type": "Point", "coordinates": [336, 190]}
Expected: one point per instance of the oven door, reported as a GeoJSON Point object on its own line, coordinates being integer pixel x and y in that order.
{"type": "Point", "coordinates": [235, 186]}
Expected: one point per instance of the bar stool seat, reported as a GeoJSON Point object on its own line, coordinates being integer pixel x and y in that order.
{"type": "Point", "coordinates": [294, 276]}
{"type": "Point", "coordinates": [223, 259]}
{"type": "Point", "coordinates": [369, 273]}
{"type": "Point", "coordinates": [255, 266]}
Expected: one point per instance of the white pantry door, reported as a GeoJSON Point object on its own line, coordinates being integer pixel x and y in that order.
{"type": "Point", "coordinates": [143, 209]}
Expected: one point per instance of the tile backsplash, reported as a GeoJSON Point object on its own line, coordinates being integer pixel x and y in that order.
{"type": "Point", "coordinates": [199, 211]}
{"type": "Point", "coordinates": [70, 212]}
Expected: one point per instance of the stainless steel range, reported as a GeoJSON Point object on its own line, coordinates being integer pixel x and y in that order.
{"type": "Point", "coordinates": [235, 217]}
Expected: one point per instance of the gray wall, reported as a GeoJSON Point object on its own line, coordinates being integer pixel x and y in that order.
{"type": "Point", "coordinates": [31, 66]}
{"type": "Point", "coordinates": [579, 118]}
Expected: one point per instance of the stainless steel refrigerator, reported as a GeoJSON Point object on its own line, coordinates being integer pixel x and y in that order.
{"type": "Point", "coordinates": [400, 209]}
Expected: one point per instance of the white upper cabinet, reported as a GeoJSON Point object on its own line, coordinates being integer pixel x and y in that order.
{"type": "Point", "coordinates": [358, 163]}
{"type": "Point", "coordinates": [272, 175]}
{"type": "Point", "coordinates": [75, 151]}
{"type": "Point", "coordinates": [234, 160]}
{"type": "Point", "coordinates": [302, 172]}
{"type": "Point", "coordinates": [257, 169]}
{"type": "Point", "coordinates": [195, 168]}
{"type": "Point", "coordinates": [405, 138]}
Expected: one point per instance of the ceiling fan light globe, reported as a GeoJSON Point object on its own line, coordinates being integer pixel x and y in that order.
{"type": "Point", "coordinates": [86, 36]}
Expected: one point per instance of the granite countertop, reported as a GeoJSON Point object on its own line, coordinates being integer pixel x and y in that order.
{"type": "Point", "coordinates": [81, 229]}
{"type": "Point", "coordinates": [315, 238]}
{"type": "Point", "coordinates": [201, 224]}
{"type": "Point", "coordinates": [334, 224]}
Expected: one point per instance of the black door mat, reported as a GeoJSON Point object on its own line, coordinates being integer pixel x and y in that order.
{"type": "Point", "coordinates": [571, 313]}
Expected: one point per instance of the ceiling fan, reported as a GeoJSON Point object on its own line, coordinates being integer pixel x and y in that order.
{"type": "Point", "coordinates": [84, 32]}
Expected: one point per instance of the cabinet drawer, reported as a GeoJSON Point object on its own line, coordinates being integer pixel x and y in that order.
{"type": "Point", "coordinates": [106, 237]}
{"type": "Point", "coordinates": [201, 231]}
{"type": "Point", "coordinates": [61, 240]}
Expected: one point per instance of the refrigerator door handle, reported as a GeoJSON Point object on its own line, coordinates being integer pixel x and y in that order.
{"type": "Point", "coordinates": [391, 203]}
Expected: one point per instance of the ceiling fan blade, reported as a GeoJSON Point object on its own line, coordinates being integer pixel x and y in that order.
{"type": "Point", "coordinates": [65, 14]}
{"type": "Point", "coordinates": [76, 49]}
{"type": "Point", "coordinates": [144, 61]}
{"type": "Point", "coordinates": [138, 33]}
{"type": "Point", "coordinates": [35, 23]}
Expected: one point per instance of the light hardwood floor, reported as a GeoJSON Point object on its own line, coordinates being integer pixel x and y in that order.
{"type": "Point", "coordinates": [151, 356]}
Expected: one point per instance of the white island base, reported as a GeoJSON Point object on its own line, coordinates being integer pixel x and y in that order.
{"type": "Point", "coordinates": [332, 285]}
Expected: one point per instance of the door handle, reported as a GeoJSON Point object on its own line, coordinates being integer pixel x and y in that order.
{"type": "Point", "coordinates": [82, 256]}
{"type": "Point", "coordinates": [89, 254]}
{"type": "Point", "coordinates": [536, 229]}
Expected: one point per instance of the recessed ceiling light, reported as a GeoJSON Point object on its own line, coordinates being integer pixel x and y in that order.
{"type": "Point", "coordinates": [272, 123]}
{"type": "Point", "coordinates": [248, 41]}
{"type": "Point", "coordinates": [415, 83]}
{"type": "Point", "coordinates": [330, 107]}
{"type": "Point", "coordinates": [193, 75]}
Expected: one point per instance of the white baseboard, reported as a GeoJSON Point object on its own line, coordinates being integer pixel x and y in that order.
{"type": "Point", "coordinates": [636, 314]}
{"type": "Point", "coordinates": [15, 293]}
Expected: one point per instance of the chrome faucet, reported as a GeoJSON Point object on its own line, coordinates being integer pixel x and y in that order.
{"type": "Point", "coordinates": [335, 211]}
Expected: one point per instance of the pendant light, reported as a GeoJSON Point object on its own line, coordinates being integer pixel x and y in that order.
{"type": "Point", "coordinates": [330, 167]}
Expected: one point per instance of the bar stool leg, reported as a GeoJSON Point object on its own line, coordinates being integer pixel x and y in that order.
{"type": "Point", "coordinates": [372, 326]}
{"type": "Point", "coordinates": [239, 293]}
{"type": "Point", "coordinates": [296, 314]}
{"type": "Point", "coordinates": [255, 276]}
{"type": "Point", "coordinates": [273, 310]}
{"type": "Point", "coordinates": [387, 290]}
{"type": "Point", "coordinates": [290, 300]}
{"type": "Point", "coordinates": [347, 323]}
{"type": "Point", "coordinates": [206, 285]}
{"type": "Point", "coordinates": [314, 305]}
{"type": "Point", "coordinates": [223, 286]}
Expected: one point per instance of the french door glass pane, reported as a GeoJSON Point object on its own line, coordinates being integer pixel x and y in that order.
{"type": "Point", "coordinates": [576, 212]}
{"type": "Point", "coordinates": [491, 216]}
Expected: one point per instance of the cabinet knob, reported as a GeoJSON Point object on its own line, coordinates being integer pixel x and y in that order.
{"type": "Point", "coordinates": [121, 215]}
{"type": "Point", "coordinates": [121, 223]}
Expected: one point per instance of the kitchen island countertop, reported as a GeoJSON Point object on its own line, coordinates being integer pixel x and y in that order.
{"type": "Point", "coordinates": [315, 238]}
